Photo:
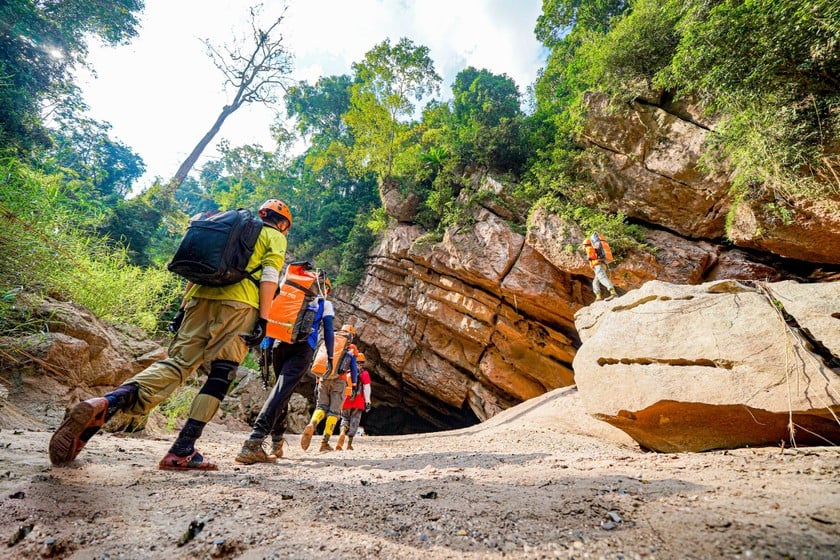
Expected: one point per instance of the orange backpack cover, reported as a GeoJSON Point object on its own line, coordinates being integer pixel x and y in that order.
{"type": "Point", "coordinates": [289, 319]}
{"type": "Point", "coordinates": [340, 350]}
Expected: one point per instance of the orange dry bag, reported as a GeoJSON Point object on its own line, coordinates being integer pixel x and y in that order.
{"type": "Point", "coordinates": [294, 306]}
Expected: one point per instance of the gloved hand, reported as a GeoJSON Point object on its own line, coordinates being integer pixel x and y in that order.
{"type": "Point", "coordinates": [256, 335]}
{"type": "Point", "coordinates": [367, 407]}
{"type": "Point", "coordinates": [175, 323]}
{"type": "Point", "coordinates": [329, 366]}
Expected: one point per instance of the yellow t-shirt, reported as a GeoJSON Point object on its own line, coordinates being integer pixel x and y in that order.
{"type": "Point", "coordinates": [270, 250]}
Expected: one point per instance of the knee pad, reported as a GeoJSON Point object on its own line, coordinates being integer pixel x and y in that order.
{"type": "Point", "coordinates": [222, 374]}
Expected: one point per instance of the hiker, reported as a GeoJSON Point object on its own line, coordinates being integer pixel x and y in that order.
{"type": "Point", "coordinates": [354, 404]}
{"type": "Point", "coordinates": [290, 361]}
{"type": "Point", "coordinates": [599, 254]}
{"type": "Point", "coordinates": [330, 392]}
{"type": "Point", "coordinates": [216, 324]}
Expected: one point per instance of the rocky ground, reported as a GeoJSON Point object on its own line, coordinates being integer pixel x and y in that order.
{"type": "Point", "coordinates": [540, 480]}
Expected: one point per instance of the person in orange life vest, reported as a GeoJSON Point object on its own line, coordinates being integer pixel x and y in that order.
{"type": "Point", "coordinates": [354, 404]}
{"type": "Point", "coordinates": [209, 327]}
{"type": "Point", "coordinates": [290, 362]}
{"type": "Point", "coordinates": [330, 395]}
{"type": "Point", "coordinates": [599, 267]}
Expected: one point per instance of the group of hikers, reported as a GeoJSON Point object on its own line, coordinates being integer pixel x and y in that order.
{"type": "Point", "coordinates": [219, 324]}
{"type": "Point", "coordinates": [226, 313]}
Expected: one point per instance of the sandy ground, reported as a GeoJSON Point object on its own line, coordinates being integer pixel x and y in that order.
{"type": "Point", "coordinates": [527, 484]}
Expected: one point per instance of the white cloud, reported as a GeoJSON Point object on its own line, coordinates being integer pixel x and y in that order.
{"type": "Point", "coordinates": [162, 93]}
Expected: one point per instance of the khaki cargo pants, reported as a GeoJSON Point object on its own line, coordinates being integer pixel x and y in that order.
{"type": "Point", "coordinates": [210, 331]}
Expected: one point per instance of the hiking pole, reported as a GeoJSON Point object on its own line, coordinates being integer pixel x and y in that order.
{"type": "Point", "coordinates": [265, 361]}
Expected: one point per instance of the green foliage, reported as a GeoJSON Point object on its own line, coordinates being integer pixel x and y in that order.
{"type": "Point", "coordinates": [177, 405]}
{"type": "Point", "coordinates": [378, 221]}
{"type": "Point", "coordinates": [46, 246]}
{"type": "Point", "coordinates": [772, 70]}
{"type": "Point", "coordinates": [41, 44]}
{"type": "Point", "coordinates": [621, 235]}
{"type": "Point", "coordinates": [355, 250]}
{"type": "Point", "coordinates": [768, 69]}
{"type": "Point", "coordinates": [386, 82]}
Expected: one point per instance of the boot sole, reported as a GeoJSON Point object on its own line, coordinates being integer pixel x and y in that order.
{"type": "Point", "coordinates": [76, 430]}
{"type": "Point", "coordinates": [306, 437]}
{"type": "Point", "coordinates": [252, 461]}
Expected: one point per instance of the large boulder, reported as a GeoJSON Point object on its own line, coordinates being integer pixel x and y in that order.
{"type": "Point", "coordinates": [75, 357]}
{"type": "Point", "coordinates": [717, 365]}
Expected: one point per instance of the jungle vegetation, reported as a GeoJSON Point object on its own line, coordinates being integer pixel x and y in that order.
{"type": "Point", "coordinates": [769, 70]}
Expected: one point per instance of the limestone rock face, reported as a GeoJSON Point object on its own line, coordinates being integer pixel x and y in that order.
{"type": "Point", "coordinates": [78, 356]}
{"type": "Point", "coordinates": [647, 159]}
{"type": "Point", "coordinates": [646, 156]}
{"type": "Point", "coordinates": [468, 326]}
{"type": "Point", "coordinates": [675, 259]}
{"type": "Point", "coordinates": [691, 368]}
{"type": "Point", "coordinates": [400, 206]}
{"type": "Point", "coordinates": [801, 229]}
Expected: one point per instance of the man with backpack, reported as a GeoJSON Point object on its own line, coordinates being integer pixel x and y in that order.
{"type": "Point", "coordinates": [355, 403]}
{"type": "Point", "coordinates": [599, 254]}
{"type": "Point", "coordinates": [216, 323]}
{"type": "Point", "coordinates": [330, 390]}
{"type": "Point", "coordinates": [290, 361]}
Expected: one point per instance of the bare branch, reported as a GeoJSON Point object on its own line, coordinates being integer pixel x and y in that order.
{"type": "Point", "coordinates": [254, 69]}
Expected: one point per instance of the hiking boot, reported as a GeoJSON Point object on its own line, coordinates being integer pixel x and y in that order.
{"type": "Point", "coordinates": [340, 444]}
{"type": "Point", "coordinates": [325, 445]}
{"type": "Point", "coordinates": [192, 462]}
{"type": "Point", "coordinates": [252, 452]}
{"type": "Point", "coordinates": [306, 436]}
{"type": "Point", "coordinates": [612, 295]}
{"type": "Point", "coordinates": [597, 297]}
{"type": "Point", "coordinates": [350, 444]}
{"type": "Point", "coordinates": [82, 422]}
{"type": "Point", "coordinates": [277, 448]}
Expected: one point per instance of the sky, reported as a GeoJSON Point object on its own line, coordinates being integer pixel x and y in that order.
{"type": "Point", "coordinates": [161, 92]}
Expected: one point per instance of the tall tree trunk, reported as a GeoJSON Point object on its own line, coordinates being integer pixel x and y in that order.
{"type": "Point", "coordinates": [188, 164]}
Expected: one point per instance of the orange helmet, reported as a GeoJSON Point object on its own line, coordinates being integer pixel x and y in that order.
{"type": "Point", "coordinates": [360, 357]}
{"type": "Point", "coordinates": [328, 284]}
{"type": "Point", "coordinates": [348, 328]}
{"type": "Point", "coordinates": [277, 206]}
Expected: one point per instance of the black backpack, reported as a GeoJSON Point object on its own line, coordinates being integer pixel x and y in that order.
{"type": "Point", "coordinates": [216, 248]}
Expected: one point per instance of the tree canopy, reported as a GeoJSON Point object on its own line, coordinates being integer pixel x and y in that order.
{"type": "Point", "coordinates": [768, 70]}
{"type": "Point", "coordinates": [40, 44]}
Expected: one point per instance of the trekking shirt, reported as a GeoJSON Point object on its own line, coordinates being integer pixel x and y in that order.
{"type": "Point", "coordinates": [325, 315]}
{"type": "Point", "coordinates": [270, 250]}
{"type": "Point", "coordinates": [359, 400]}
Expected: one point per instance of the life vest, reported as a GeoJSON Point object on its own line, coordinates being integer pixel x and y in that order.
{"type": "Point", "coordinates": [598, 250]}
